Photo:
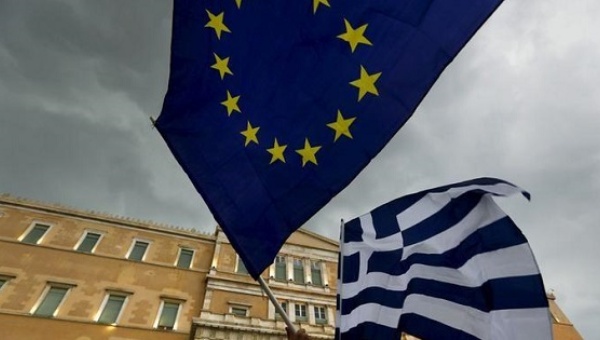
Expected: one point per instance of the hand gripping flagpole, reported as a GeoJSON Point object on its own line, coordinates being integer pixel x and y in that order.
{"type": "Point", "coordinates": [278, 307]}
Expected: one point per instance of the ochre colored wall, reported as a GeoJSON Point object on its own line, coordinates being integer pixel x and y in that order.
{"type": "Point", "coordinates": [35, 266]}
{"type": "Point", "coordinates": [92, 276]}
{"type": "Point", "coordinates": [562, 327]}
{"type": "Point", "coordinates": [221, 301]}
{"type": "Point", "coordinates": [227, 258]}
{"type": "Point", "coordinates": [20, 327]}
{"type": "Point", "coordinates": [565, 332]}
{"type": "Point", "coordinates": [116, 242]}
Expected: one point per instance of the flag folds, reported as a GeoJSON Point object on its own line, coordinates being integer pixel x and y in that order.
{"type": "Point", "coordinates": [273, 106]}
{"type": "Point", "coordinates": [445, 263]}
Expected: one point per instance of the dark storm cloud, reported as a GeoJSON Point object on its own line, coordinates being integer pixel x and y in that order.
{"type": "Point", "coordinates": [54, 49]}
{"type": "Point", "coordinates": [69, 160]}
{"type": "Point", "coordinates": [78, 82]}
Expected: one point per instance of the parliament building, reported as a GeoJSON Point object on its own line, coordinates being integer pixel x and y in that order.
{"type": "Point", "coordinates": [80, 275]}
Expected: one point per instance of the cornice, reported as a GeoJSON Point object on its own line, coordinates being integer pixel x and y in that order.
{"type": "Point", "coordinates": [97, 216]}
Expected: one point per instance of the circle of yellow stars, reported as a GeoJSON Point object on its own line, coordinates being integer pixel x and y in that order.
{"type": "Point", "coordinates": [365, 84]}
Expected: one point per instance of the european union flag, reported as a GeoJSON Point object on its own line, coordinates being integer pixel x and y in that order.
{"type": "Point", "coordinates": [274, 106]}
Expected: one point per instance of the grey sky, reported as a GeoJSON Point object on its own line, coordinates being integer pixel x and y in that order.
{"type": "Point", "coordinates": [80, 79]}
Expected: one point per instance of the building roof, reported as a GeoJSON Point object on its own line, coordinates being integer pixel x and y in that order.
{"type": "Point", "coordinates": [54, 208]}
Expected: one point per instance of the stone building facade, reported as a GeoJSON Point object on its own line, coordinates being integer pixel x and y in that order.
{"type": "Point", "coordinates": [68, 274]}
{"type": "Point", "coordinates": [302, 278]}
{"type": "Point", "coordinates": [80, 275]}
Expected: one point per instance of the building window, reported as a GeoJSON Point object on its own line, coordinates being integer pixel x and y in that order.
{"type": "Point", "coordinates": [35, 234]}
{"type": "Point", "coordinates": [239, 311]}
{"type": "Point", "coordinates": [48, 307]}
{"type": "Point", "coordinates": [111, 311]}
{"type": "Point", "coordinates": [4, 280]}
{"type": "Point", "coordinates": [298, 271]}
{"type": "Point", "coordinates": [89, 242]}
{"type": "Point", "coordinates": [280, 268]}
{"type": "Point", "coordinates": [241, 267]}
{"type": "Point", "coordinates": [284, 306]}
{"type": "Point", "coordinates": [138, 251]}
{"type": "Point", "coordinates": [320, 315]}
{"type": "Point", "coordinates": [315, 273]}
{"type": "Point", "coordinates": [185, 258]}
{"type": "Point", "coordinates": [300, 311]}
{"type": "Point", "coordinates": [169, 310]}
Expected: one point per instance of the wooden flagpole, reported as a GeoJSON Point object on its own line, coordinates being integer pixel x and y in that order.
{"type": "Point", "coordinates": [278, 307]}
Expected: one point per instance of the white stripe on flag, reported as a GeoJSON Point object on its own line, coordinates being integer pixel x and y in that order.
{"type": "Point", "coordinates": [496, 325]}
{"type": "Point", "coordinates": [505, 324]}
{"type": "Point", "coordinates": [433, 202]}
{"type": "Point", "coordinates": [515, 324]}
{"type": "Point", "coordinates": [507, 262]}
{"type": "Point", "coordinates": [372, 312]}
{"type": "Point", "coordinates": [467, 319]}
{"type": "Point", "coordinates": [483, 214]}
{"type": "Point", "coordinates": [368, 243]}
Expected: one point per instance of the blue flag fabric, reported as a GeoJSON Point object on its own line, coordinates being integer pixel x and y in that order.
{"type": "Point", "coordinates": [273, 107]}
{"type": "Point", "coordinates": [445, 263]}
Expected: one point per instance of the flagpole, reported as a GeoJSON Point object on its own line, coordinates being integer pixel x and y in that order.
{"type": "Point", "coordinates": [341, 278]}
{"type": "Point", "coordinates": [278, 307]}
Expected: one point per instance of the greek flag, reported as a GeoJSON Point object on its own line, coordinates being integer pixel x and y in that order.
{"type": "Point", "coordinates": [445, 263]}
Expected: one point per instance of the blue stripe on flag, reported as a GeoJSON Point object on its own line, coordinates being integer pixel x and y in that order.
{"type": "Point", "coordinates": [352, 261]}
{"type": "Point", "coordinates": [443, 220]}
{"type": "Point", "coordinates": [386, 262]}
{"type": "Point", "coordinates": [498, 235]}
{"type": "Point", "coordinates": [370, 331]}
{"type": "Point", "coordinates": [430, 329]}
{"type": "Point", "coordinates": [353, 231]}
{"type": "Point", "coordinates": [496, 294]}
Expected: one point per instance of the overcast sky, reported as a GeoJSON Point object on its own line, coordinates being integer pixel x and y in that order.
{"type": "Point", "coordinates": [80, 79]}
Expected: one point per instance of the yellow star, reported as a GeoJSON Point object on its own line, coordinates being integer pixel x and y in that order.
{"type": "Point", "coordinates": [316, 4]}
{"type": "Point", "coordinates": [355, 36]}
{"type": "Point", "coordinates": [366, 83]}
{"type": "Point", "coordinates": [250, 134]}
{"type": "Point", "coordinates": [238, 3]}
{"type": "Point", "coordinates": [231, 103]}
{"type": "Point", "coordinates": [277, 152]}
{"type": "Point", "coordinates": [308, 153]}
{"type": "Point", "coordinates": [216, 22]}
{"type": "Point", "coordinates": [341, 126]}
{"type": "Point", "coordinates": [222, 65]}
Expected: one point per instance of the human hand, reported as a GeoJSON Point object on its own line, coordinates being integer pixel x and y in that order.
{"type": "Point", "coordinates": [299, 335]}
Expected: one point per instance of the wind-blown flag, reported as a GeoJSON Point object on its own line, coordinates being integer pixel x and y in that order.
{"type": "Point", "coordinates": [445, 263]}
{"type": "Point", "coordinates": [273, 106]}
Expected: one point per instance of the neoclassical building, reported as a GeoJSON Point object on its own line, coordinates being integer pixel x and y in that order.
{"type": "Point", "coordinates": [302, 277]}
{"type": "Point", "coordinates": [80, 275]}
